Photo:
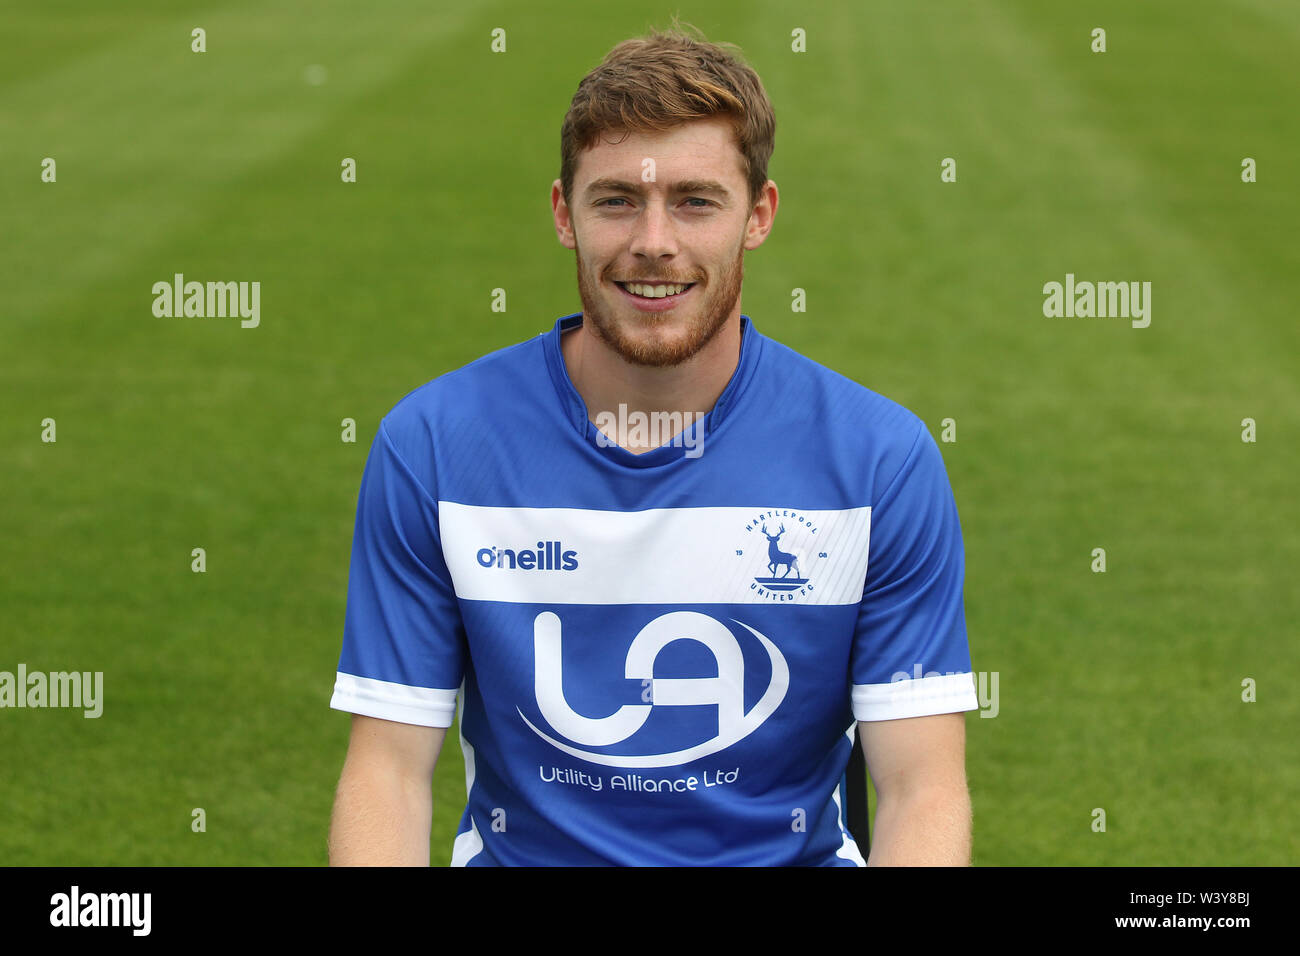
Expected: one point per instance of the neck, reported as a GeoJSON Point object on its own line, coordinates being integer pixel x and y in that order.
{"type": "Point", "coordinates": [606, 380]}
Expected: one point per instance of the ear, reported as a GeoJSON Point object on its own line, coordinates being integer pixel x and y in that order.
{"type": "Point", "coordinates": [563, 219]}
{"type": "Point", "coordinates": [762, 216]}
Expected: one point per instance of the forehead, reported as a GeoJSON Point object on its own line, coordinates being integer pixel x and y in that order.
{"type": "Point", "coordinates": [700, 147]}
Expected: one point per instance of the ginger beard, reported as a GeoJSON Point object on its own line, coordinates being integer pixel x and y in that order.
{"type": "Point", "coordinates": [659, 339]}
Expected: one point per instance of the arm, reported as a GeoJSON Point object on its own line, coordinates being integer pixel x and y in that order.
{"type": "Point", "coordinates": [383, 806]}
{"type": "Point", "coordinates": [918, 767]}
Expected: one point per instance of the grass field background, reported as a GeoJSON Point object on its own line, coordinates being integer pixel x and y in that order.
{"type": "Point", "coordinates": [1119, 690]}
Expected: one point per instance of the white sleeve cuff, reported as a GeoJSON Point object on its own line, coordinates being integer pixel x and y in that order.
{"type": "Point", "coordinates": [425, 706]}
{"type": "Point", "coordinates": [915, 697]}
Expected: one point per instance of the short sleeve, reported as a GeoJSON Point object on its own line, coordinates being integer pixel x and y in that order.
{"type": "Point", "coordinates": [910, 653]}
{"type": "Point", "coordinates": [403, 638]}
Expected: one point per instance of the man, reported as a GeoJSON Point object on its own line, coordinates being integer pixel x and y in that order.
{"type": "Point", "coordinates": [660, 630]}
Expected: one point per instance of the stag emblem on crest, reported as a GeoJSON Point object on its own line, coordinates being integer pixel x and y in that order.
{"type": "Point", "coordinates": [791, 577]}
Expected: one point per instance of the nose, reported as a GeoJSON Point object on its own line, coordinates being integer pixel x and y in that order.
{"type": "Point", "coordinates": [653, 235]}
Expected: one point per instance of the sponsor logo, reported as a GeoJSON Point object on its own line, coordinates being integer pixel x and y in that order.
{"type": "Point", "coordinates": [726, 690]}
{"type": "Point", "coordinates": [548, 556]}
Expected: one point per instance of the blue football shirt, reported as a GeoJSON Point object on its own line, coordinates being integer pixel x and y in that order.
{"type": "Point", "coordinates": [658, 657]}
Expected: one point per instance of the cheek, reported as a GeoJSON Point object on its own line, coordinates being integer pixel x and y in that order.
{"type": "Point", "coordinates": [595, 259]}
{"type": "Point", "coordinates": [599, 235]}
{"type": "Point", "coordinates": [722, 253]}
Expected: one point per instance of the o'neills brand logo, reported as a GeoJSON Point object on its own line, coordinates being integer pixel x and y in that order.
{"type": "Point", "coordinates": [548, 556]}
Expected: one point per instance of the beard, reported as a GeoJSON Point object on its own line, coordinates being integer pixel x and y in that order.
{"type": "Point", "coordinates": [659, 339]}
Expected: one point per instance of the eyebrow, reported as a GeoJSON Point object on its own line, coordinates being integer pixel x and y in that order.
{"type": "Point", "coordinates": [638, 189]}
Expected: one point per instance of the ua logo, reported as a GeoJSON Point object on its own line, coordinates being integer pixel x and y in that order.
{"type": "Point", "coordinates": [727, 690]}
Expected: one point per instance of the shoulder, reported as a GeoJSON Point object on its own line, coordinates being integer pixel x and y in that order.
{"type": "Point", "coordinates": [849, 415]}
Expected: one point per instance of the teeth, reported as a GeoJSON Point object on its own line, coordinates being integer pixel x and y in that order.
{"type": "Point", "coordinates": [654, 291]}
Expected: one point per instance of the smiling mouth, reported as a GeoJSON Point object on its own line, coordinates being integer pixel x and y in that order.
{"type": "Point", "coordinates": [655, 290]}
